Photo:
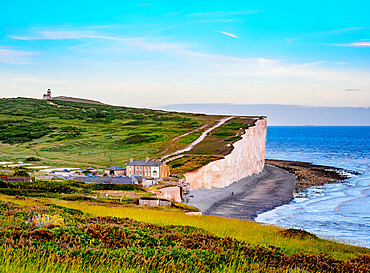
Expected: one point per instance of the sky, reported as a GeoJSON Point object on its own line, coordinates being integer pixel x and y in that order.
{"type": "Point", "coordinates": [152, 53]}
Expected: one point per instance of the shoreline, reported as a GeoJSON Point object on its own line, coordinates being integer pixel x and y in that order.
{"type": "Point", "coordinates": [273, 187]}
{"type": "Point", "coordinates": [248, 197]}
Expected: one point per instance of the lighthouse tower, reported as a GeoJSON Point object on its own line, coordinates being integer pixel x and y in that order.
{"type": "Point", "coordinates": [47, 95]}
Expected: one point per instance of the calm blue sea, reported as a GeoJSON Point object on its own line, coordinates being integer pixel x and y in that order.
{"type": "Point", "coordinates": [340, 211]}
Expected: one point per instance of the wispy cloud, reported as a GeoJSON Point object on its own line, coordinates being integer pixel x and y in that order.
{"type": "Point", "coordinates": [12, 56]}
{"type": "Point", "coordinates": [355, 44]}
{"type": "Point", "coordinates": [322, 34]}
{"type": "Point", "coordinates": [339, 63]}
{"type": "Point", "coordinates": [139, 42]}
{"type": "Point", "coordinates": [65, 35]}
{"type": "Point", "coordinates": [226, 13]}
{"type": "Point", "coordinates": [352, 89]}
{"type": "Point", "coordinates": [228, 34]}
{"type": "Point", "coordinates": [213, 21]}
{"type": "Point", "coordinates": [347, 29]}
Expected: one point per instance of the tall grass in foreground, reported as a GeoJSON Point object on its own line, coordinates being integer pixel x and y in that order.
{"type": "Point", "coordinates": [251, 232]}
{"type": "Point", "coordinates": [19, 260]}
{"type": "Point", "coordinates": [25, 261]}
{"type": "Point", "coordinates": [84, 243]}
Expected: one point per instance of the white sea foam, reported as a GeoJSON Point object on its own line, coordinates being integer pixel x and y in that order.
{"type": "Point", "coordinates": [341, 210]}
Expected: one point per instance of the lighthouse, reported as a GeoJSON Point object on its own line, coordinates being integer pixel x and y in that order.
{"type": "Point", "coordinates": [47, 95]}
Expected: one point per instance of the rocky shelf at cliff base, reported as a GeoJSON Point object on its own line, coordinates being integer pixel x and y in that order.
{"type": "Point", "coordinates": [309, 175]}
{"type": "Point", "coordinates": [247, 197]}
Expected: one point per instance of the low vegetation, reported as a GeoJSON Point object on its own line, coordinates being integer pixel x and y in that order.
{"type": "Point", "coordinates": [62, 189]}
{"type": "Point", "coordinates": [77, 241]}
{"type": "Point", "coordinates": [219, 142]}
{"type": "Point", "coordinates": [190, 138]}
{"type": "Point", "coordinates": [63, 133]}
{"type": "Point", "coordinates": [22, 130]}
{"type": "Point", "coordinates": [188, 163]}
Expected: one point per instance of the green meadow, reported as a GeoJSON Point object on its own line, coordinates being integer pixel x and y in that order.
{"type": "Point", "coordinates": [64, 133]}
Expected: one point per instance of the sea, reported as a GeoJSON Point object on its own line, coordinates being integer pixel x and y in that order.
{"type": "Point", "coordinates": [339, 211]}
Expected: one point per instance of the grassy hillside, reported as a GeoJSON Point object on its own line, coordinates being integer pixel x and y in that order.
{"type": "Point", "coordinates": [61, 132]}
{"type": "Point", "coordinates": [98, 238]}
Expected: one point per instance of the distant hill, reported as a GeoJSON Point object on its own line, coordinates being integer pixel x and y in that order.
{"type": "Point", "coordinates": [79, 100]}
{"type": "Point", "coordinates": [82, 134]}
{"type": "Point", "coordinates": [291, 115]}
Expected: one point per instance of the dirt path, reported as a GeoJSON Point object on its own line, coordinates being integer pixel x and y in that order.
{"type": "Point", "coordinates": [247, 197]}
{"type": "Point", "coordinates": [199, 139]}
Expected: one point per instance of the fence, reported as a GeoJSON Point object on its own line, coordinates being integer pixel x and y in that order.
{"type": "Point", "coordinates": [154, 203]}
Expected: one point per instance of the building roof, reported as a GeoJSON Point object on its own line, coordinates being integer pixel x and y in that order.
{"type": "Point", "coordinates": [136, 178]}
{"type": "Point", "coordinates": [145, 163]}
{"type": "Point", "coordinates": [115, 168]}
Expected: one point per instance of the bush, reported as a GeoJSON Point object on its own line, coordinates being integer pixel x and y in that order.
{"type": "Point", "coordinates": [113, 187]}
{"type": "Point", "coordinates": [21, 172]}
{"type": "Point", "coordinates": [19, 131]}
{"type": "Point", "coordinates": [33, 158]}
{"type": "Point", "coordinates": [44, 187]}
{"type": "Point", "coordinates": [142, 138]}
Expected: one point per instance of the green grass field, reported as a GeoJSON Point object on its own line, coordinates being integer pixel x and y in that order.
{"type": "Point", "coordinates": [66, 133]}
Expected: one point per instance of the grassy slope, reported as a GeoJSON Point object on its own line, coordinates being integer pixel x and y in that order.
{"type": "Point", "coordinates": [67, 133]}
{"type": "Point", "coordinates": [216, 144]}
{"type": "Point", "coordinates": [187, 163]}
{"type": "Point", "coordinates": [251, 232]}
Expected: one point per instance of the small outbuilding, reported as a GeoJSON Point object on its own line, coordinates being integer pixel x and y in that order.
{"type": "Point", "coordinates": [115, 171]}
{"type": "Point", "coordinates": [137, 179]}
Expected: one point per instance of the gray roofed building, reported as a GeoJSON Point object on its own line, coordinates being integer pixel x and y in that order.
{"type": "Point", "coordinates": [136, 178]}
{"type": "Point", "coordinates": [115, 168]}
{"type": "Point", "coordinates": [115, 171]}
{"type": "Point", "coordinates": [145, 163]}
{"type": "Point", "coordinates": [156, 169]}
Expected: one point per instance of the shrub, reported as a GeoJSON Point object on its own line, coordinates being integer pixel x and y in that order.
{"type": "Point", "coordinates": [116, 187]}
{"type": "Point", "coordinates": [33, 158]}
{"type": "Point", "coordinates": [296, 233]}
{"type": "Point", "coordinates": [142, 138]}
{"type": "Point", "coordinates": [21, 172]}
{"type": "Point", "coordinates": [19, 131]}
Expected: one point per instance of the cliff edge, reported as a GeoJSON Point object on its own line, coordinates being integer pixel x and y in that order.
{"type": "Point", "coordinates": [247, 158]}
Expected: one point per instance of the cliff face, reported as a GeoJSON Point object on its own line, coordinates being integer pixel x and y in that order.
{"type": "Point", "coordinates": [247, 158]}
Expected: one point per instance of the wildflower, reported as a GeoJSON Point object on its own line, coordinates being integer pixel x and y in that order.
{"type": "Point", "coordinates": [44, 220]}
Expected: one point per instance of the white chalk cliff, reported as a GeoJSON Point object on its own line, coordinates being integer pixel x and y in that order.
{"type": "Point", "coordinates": [247, 158]}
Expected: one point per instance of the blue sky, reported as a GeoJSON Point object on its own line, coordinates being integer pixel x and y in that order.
{"type": "Point", "coordinates": [151, 53]}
